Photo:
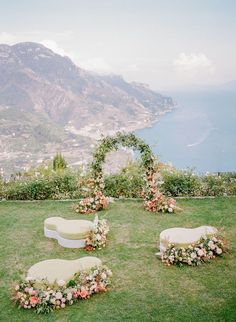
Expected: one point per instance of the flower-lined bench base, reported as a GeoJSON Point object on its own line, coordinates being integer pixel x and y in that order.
{"type": "Point", "coordinates": [53, 292]}
{"type": "Point", "coordinates": [203, 250]}
{"type": "Point", "coordinates": [191, 246]}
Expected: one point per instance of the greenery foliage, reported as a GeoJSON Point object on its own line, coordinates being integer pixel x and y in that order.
{"type": "Point", "coordinates": [59, 162]}
{"type": "Point", "coordinates": [45, 183]}
{"type": "Point", "coordinates": [180, 183]}
{"type": "Point", "coordinates": [128, 183]}
{"type": "Point", "coordinates": [54, 185]}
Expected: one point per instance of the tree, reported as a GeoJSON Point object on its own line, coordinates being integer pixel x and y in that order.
{"type": "Point", "coordinates": [59, 162]}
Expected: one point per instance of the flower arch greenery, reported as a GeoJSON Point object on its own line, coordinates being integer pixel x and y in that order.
{"type": "Point", "coordinates": [153, 199]}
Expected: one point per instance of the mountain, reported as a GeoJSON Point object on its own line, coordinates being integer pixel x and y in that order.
{"type": "Point", "coordinates": [47, 102]}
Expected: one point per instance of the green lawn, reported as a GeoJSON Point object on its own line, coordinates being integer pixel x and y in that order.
{"type": "Point", "coordinates": [143, 288]}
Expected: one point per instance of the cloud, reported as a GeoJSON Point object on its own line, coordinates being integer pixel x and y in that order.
{"type": "Point", "coordinates": [7, 38]}
{"type": "Point", "coordinates": [53, 45]}
{"type": "Point", "coordinates": [194, 62]}
{"type": "Point", "coordinates": [35, 36]}
{"type": "Point", "coordinates": [131, 68]}
{"type": "Point", "coordinates": [96, 64]}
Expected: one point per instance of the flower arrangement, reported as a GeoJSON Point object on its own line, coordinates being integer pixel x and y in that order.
{"type": "Point", "coordinates": [94, 199]}
{"type": "Point", "coordinates": [44, 297]}
{"type": "Point", "coordinates": [203, 250]}
{"type": "Point", "coordinates": [153, 199]}
{"type": "Point", "coordinates": [96, 202]}
{"type": "Point", "coordinates": [98, 237]}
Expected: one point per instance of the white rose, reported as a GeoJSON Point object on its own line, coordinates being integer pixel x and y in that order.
{"type": "Point", "coordinates": [213, 246]}
{"type": "Point", "coordinates": [69, 296]}
{"type": "Point", "coordinates": [170, 209]}
{"type": "Point", "coordinates": [58, 295]}
{"type": "Point", "coordinates": [200, 252]}
{"type": "Point", "coordinates": [193, 255]}
{"type": "Point", "coordinates": [103, 276]}
{"type": "Point", "coordinates": [210, 254]}
{"type": "Point", "coordinates": [61, 283]}
{"type": "Point", "coordinates": [63, 305]}
{"type": "Point", "coordinates": [219, 251]}
{"type": "Point", "coordinates": [98, 237]}
{"type": "Point", "coordinates": [17, 287]}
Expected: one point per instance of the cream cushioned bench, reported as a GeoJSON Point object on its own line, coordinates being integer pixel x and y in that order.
{"type": "Point", "coordinates": [184, 236]}
{"type": "Point", "coordinates": [69, 233]}
{"type": "Point", "coordinates": [61, 269]}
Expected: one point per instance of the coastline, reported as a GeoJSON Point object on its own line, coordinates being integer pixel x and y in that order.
{"type": "Point", "coordinates": [78, 154]}
{"type": "Point", "coordinates": [94, 132]}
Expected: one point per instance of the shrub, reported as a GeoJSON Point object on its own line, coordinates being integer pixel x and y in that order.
{"type": "Point", "coordinates": [59, 162]}
{"type": "Point", "coordinates": [56, 186]}
{"type": "Point", "coordinates": [213, 185]}
{"type": "Point", "coordinates": [180, 183]}
{"type": "Point", "coordinates": [45, 183]}
{"type": "Point", "coordinates": [129, 183]}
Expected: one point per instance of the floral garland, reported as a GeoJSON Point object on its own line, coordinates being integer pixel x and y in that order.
{"type": "Point", "coordinates": [44, 297]}
{"type": "Point", "coordinates": [153, 199]}
{"type": "Point", "coordinates": [98, 237]}
{"type": "Point", "coordinates": [203, 250]}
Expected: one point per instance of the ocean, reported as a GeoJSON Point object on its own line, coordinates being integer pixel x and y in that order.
{"type": "Point", "coordinates": [199, 134]}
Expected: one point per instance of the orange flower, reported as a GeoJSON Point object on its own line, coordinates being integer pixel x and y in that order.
{"type": "Point", "coordinates": [89, 248]}
{"type": "Point", "coordinates": [101, 288]}
{"type": "Point", "coordinates": [34, 300]}
{"type": "Point", "coordinates": [83, 294]}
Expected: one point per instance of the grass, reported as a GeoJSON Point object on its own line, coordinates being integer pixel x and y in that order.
{"type": "Point", "coordinates": [143, 288]}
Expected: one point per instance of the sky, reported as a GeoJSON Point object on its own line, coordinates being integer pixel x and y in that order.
{"type": "Point", "coordinates": [168, 44]}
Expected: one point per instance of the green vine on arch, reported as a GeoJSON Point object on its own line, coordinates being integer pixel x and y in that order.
{"type": "Point", "coordinates": [153, 199]}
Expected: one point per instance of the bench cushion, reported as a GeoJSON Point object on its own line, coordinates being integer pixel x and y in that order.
{"type": "Point", "coordinates": [61, 269]}
{"type": "Point", "coordinates": [69, 229]}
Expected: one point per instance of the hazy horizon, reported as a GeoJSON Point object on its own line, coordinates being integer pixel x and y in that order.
{"type": "Point", "coordinates": [166, 44]}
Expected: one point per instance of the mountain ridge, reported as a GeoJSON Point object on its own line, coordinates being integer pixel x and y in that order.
{"type": "Point", "coordinates": [50, 93]}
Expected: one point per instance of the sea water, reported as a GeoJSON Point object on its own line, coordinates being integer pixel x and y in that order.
{"type": "Point", "coordinates": [200, 133]}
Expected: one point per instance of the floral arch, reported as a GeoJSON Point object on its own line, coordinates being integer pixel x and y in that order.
{"type": "Point", "coordinates": [153, 200]}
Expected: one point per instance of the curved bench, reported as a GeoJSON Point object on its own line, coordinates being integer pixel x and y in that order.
{"type": "Point", "coordinates": [60, 269]}
{"type": "Point", "coordinates": [69, 233]}
{"type": "Point", "coordinates": [184, 236]}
